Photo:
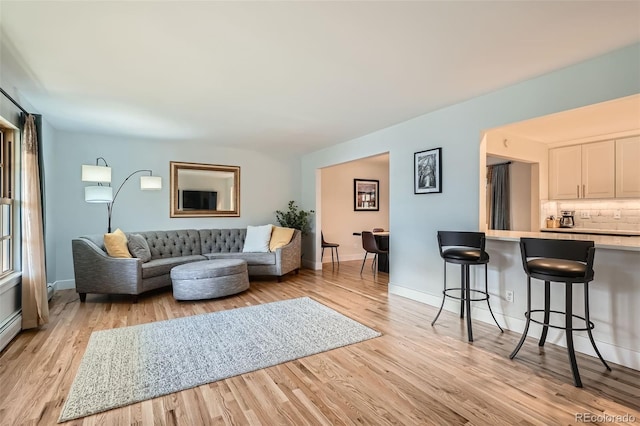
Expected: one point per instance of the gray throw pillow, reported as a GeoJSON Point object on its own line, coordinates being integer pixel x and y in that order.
{"type": "Point", "coordinates": [138, 247]}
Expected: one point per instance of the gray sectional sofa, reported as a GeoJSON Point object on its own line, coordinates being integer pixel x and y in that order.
{"type": "Point", "coordinates": [97, 272]}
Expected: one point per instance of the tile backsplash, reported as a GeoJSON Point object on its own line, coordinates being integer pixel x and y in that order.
{"type": "Point", "coordinates": [597, 214]}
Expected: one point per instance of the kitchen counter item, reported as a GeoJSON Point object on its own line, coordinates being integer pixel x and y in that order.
{"type": "Point", "coordinates": [566, 221]}
{"type": "Point", "coordinates": [553, 222]}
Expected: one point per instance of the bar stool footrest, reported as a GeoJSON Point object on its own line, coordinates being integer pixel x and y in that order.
{"type": "Point", "coordinates": [485, 297]}
{"type": "Point", "coordinates": [528, 315]}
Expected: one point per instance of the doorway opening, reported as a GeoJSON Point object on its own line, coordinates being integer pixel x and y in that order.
{"type": "Point", "coordinates": [337, 215]}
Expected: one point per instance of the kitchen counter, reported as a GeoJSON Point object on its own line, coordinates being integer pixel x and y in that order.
{"type": "Point", "coordinates": [631, 243]}
{"type": "Point", "coordinates": [618, 233]}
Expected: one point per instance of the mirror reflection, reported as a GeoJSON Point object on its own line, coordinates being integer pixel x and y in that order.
{"type": "Point", "coordinates": [204, 190]}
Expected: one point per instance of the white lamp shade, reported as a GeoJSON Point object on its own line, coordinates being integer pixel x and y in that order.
{"type": "Point", "coordinates": [150, 182]}
{"type": "Point", "coordinates": [98, 194]}
{"type": "Point", "coordinates": [96, 174]}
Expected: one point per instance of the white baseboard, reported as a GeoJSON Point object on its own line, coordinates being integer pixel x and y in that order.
{"type": "Point", "coordinates": [610, 352]}
{"type": "Point", "coordinates": [345, 258]}
{"type": "Point", "coordinates": [10, 329]}
{"type": "Point", "coordinates": [64, 284]}
{"type": "Point", "coordinates": [327, 259]}
{"type": "Point", "coordinates": [310, 264]}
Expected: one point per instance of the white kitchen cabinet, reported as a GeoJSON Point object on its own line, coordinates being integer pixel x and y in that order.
{"type": "Point", "coordinates": [598, 170]}
{"type": "Point", "coordinates": [628, 167]}
{"type": "Point", "coordinates": [565, 172]}
{"type": "Point", "coordinates": [582, 171]}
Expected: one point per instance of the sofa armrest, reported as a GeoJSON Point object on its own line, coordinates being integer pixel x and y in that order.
{"type": "Point", "coordinates": [288, 257]}
{"type": "Point", "coordinates": [96, 272]}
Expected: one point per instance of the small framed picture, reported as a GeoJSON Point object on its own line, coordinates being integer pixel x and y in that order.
{"type": "Point", "coordinates": [427, 171]}
{"type": "Point", "coordinates": [365, 195]}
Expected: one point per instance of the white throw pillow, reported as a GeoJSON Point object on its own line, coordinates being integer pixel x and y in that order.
{"type": "Point", "coordinates": [257, 239]}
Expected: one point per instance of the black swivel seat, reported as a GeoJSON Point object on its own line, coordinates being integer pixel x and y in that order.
{"type": "Point", "coordinates": [563, 261]}
{"type": "Point", "coordinates": [464, 249]}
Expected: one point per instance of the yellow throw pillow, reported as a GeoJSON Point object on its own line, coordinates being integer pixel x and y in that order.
{"type": "Point", "coordinates": [280, 237]}
{"type": "Point", "coordinates": [116, 244]}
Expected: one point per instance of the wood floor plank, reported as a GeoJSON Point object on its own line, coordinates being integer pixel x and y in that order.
{"type": "Point", "coordinates": [414, 374]}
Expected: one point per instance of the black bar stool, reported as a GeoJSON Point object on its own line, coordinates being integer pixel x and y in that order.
{"type": "Point", "coordinates": [464, 249]}
{"type": "Point", "coordinates": [563, 261]}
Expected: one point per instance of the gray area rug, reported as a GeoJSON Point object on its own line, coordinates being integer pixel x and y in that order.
{"type": "Point", "coordinates": [131, 364]}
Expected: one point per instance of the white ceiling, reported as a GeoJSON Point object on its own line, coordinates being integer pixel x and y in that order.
{"type": "Point", "coordinates": [294, 75]}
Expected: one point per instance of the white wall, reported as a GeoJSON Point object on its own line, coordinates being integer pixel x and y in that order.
{"type": "Point", "coordinates": [267, 184]}
{"type": "Point", "coordinates": [339, 220]}
{"type": "Point", "coordinates": [520, 195]}
{"type": "Point", "coordinates": [416, 267]}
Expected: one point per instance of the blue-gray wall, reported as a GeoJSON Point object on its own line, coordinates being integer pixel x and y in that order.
{"type": "Point", "coordinates": [415, 219]}
{"type": "Point", "coordinates": [268, 182]}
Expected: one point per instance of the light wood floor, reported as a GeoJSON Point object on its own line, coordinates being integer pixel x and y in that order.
{"type": "Point", "coordinates": [413, 374]}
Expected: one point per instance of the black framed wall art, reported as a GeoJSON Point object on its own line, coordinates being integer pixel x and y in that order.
{"type": "Point", "coordinates": [366, 195]}
{"type": "Point", "coordinates": [427, 171]}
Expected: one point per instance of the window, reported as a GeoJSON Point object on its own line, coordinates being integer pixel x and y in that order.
{"type": "Point", "coordinates": [6, 203]}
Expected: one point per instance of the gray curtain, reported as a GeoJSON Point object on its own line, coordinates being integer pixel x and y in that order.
{"type": "Point", "coordinates": [500, 206]}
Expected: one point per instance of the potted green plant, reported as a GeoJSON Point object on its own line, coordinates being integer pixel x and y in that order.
{"type": "Point", "coordinates": [294, 218]}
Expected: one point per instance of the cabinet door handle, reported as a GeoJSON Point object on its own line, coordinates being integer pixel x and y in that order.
{"type": "Point", "coordinates": [578, 190]}
{"type": "Point", "coordinates": [584, 193]}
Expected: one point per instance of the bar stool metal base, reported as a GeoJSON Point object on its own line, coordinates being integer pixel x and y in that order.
{"type": "Point", "coordinates": [465, 297]}
{"type": "Point", "coordinates": [568, 324]}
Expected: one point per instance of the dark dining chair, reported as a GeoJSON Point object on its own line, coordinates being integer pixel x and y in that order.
{"type": "Point", "coordinates": [332, 246]}
{"type": "Point", "coordinates": [370, 245]}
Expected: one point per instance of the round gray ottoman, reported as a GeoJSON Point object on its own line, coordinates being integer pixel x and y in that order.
{"type": "Point", "coordinates": [209, 279]}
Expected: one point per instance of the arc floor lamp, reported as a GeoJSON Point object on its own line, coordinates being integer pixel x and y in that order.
{"type": "Point", "coordinates": [103, 192]}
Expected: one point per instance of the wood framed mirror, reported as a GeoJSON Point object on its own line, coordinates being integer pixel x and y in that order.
{"type": "Point", "coordinates": [204, 190]}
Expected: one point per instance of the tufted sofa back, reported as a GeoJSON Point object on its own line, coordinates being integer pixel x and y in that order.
{"type": "Point", "coordinates": [185, 242]}
{"type": "Point", "coordinates": [222, 240]}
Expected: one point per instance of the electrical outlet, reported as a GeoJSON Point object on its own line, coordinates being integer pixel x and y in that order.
{"type": "Point", "coordinates": [617, 214]}
{"type": "Point", "coordinates": [509, 296]}
{"type": "Point", "coordinates": [585, 215]}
